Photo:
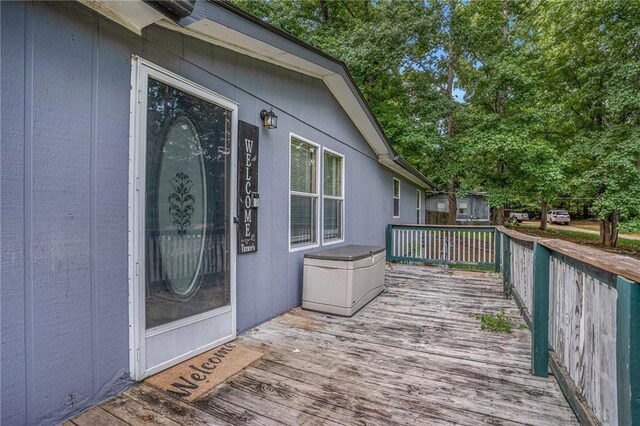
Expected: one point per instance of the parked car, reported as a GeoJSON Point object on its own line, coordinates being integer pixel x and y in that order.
{"type": "Point", "coordinates": [518, 217]}
{"type": "Point", "coordinates": [558, 216]}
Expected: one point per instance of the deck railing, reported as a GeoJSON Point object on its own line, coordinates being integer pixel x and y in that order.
{"type": "Point", "coordinates": [582, 306]}
{"type": "Point", "coordinates": [458, 245]}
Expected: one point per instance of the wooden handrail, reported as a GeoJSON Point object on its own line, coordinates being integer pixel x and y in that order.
{"type": "Point", "coordinates": [561, 312]}
{"type": "Point", "coordinates": [617, 264]}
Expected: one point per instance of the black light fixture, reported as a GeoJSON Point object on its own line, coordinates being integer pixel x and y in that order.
{"type": "Point", "coordinates": [269, 119]}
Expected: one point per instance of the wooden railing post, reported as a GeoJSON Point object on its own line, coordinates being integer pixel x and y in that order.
{"type": "Point", "coordinates": [389, 241]}
{"type": "Point", "coordinates": [540, 312]}
{"type": "Point", "coordinates": [496, 240]}
{"type": "Point", "coordinates": [506, 265]}
{"type": "Point", "coordinates": [628, 351]}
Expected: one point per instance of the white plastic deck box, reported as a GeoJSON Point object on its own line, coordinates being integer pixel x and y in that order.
{"type": "Point", "coordinates": [342, 280]}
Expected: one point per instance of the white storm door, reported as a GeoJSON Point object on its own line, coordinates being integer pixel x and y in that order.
{"type": "Point", "coordinates": [182, 268]}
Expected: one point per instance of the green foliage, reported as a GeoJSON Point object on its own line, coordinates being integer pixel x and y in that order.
{"type": "Point", "coordinates": [552, 90]}
{"type": "Point", "coordinates": [497, 323]}
{"type": "Point", "coordinates": [589, 62]}
{"type": "Point", "coordinates": [632, 226]}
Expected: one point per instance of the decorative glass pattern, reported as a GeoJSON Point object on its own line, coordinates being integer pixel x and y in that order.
{"type": "Point", "coordinates": [187, 199]}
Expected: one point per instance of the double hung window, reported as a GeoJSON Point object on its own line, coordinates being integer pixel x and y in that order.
{"type": "Point", "coordinates": [396, 198]}
{"type": "Point", "coordinates": [307, 188]}
{"type": "Point", "coordinates": [333, 197]}
{"type": "Point", "coordinates": [304, 194]}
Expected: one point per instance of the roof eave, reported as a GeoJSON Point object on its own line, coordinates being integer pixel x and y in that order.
{"type": "Point", "coordinates": [227, 26]}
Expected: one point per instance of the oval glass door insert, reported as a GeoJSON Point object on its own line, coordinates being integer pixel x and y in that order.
{"type": "Point", "coordinates": [182, 207]}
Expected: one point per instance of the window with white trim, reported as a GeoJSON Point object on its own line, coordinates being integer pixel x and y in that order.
{"type": "Point", "coordinates": [462, 207]}
{"type": "Point", "coordinates": [303, 193]}
{"type": "Point", "coordinates": [418, 205]}
{"type": "Point", "coordinates": [396, 198]}
{"type": "Point", "coordinates": [333, 197]}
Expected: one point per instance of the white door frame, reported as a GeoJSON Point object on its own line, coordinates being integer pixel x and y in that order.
{"type": "Point", "coordinates": [141, 70]}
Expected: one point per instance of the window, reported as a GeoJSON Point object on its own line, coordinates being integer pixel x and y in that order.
{"type": "Point", "coordinates": [396, 198]}
{"type": "Point", "coordinates": [462, 207]}
{"type": "Point", "coordinates": [303, 193]}
{"type": "Point", "coordinates": [441, 207]}
{"type": "Point", "coordinates": [333, 197]}
{"type": "Point", "coordinates": [418, 205]}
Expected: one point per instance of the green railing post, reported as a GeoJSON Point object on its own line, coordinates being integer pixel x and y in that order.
{"type": "Point", "coordinates": [627, 351]}
{"type": "Point", "coordinates": [496, 240]}
{"type": "Point", "coordinates": [389, 234]}
{"type": "Point", "coordinates": [540, 314]}
{"type": "Point", "coordinates": [506, 265]}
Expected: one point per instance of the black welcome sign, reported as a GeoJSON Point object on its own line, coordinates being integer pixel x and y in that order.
{"type": "Point", "coordinates": [248, 197]}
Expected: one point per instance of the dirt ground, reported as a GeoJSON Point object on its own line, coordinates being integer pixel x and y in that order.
{"type": "Point", "coordinates": [583, 226]}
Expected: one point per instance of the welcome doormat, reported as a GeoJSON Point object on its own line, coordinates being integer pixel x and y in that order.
{"type": "Point", "coordinates": [196, 376]}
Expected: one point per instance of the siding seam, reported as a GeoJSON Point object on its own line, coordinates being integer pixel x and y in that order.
{"type": "Point", "coordinates": [28, 213]}
{"type": "Point", "coordinates": [93, 152]}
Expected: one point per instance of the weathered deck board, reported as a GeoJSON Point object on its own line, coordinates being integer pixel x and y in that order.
{"type": "Point", "coordinates": [415, 355]}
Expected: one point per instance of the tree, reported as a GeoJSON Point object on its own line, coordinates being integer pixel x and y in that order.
{"type": "Point", "coordinates": [552, 92]}
{"type": "Point", "coordinates": [590, 55]}
{"type": "Point", "coordinates": [497, 122]}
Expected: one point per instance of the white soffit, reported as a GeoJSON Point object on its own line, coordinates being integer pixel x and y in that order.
{"type": "Point", "coordinates": [235, 40]}
{"type": "Point", "coordinates": [389, 163]}
{"type": "Point", "coordinates": [136, 15]}
{"type": "Point", "coordinates": [221, 35]}
{"type": "Point", "coordinates": [131, 14]}
{"type": "Point", "coordinates": [242, 43]}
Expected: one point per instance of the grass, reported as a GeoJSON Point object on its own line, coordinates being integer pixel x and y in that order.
{"type": "Point", "coordinates": [498, 323]}
{"type": "Point", "coordinates": [625, 245]}
{"type": "Point", "coordinates": [484, 268]}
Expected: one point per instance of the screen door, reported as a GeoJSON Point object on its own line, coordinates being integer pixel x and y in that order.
{"type": "Point", "coordinates": [184, 256]}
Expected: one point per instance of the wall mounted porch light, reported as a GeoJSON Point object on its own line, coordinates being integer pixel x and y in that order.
{"type": "Point", "coordinates": [269, 119]}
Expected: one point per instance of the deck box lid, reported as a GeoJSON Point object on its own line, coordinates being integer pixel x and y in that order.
{"type": "Point", "coordinates": [346, 253]}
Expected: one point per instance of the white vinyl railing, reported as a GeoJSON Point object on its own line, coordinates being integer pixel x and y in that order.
{"type": "Point", "coordinates": [469, 245]}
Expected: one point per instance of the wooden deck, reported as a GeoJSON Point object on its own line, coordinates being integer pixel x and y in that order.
{"type": "Point", "coordinates": [415, 355]}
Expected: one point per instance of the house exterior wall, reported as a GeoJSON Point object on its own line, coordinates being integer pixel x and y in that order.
{"type": "Point", "coordinates": [65, 103]}
{"type": "Point", "coordinates": [477, 209]}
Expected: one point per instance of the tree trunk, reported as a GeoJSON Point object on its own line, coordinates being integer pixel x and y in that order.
{"type": "Point", "coordinates": [324, 6]}
{"type": "Point", "coordinates": [609, 230]}
{"type": "Point", "coordinates": [501, 101]}
{"type": "Point", "coordinates": [543, 214]}
{"type": "Point", "coordinates": [498, 215]}
{"type": "Point", "coordinates": [450, 77]}
{"type": "Point", "coordinates": [451, 190]}
{"type": "Point", "coordinates": [453, 202]}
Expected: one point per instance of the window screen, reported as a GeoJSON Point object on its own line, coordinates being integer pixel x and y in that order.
{"type": "Point", "coordinates": [304, 194]}
{"type": "Point", "coordinates": [396, 198]}
{"type": "Point", "coordinates": [333, 197]}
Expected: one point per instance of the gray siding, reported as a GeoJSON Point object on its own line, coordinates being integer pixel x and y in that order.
{"type": "Point", "coordinates": [64, 197]}
{"type": "Point", "coordinates": [477, 208]}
